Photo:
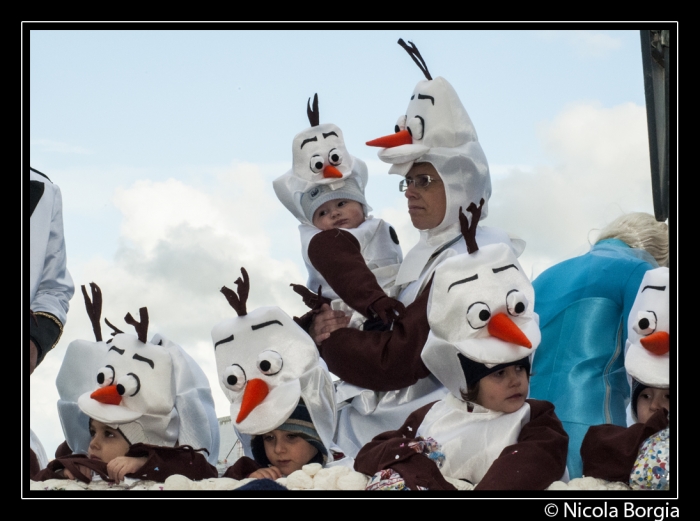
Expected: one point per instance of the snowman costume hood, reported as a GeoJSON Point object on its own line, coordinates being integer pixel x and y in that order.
{"type": "Point", "coordinates": [153, 392]}
{"type": "Point", "coordinates": [321, 165]}
{"type": "Point", "coordinates": [266, 364]}
{"type": "Point", "coordinates": [436, 129]}
{"type": "Point", "coordinates": [648, 342]}
{"type": "Point", "coordinates": [480, 307]}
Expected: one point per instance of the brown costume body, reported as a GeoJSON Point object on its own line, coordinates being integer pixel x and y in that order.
{"type": "Point", "coordinates": [533, 463]}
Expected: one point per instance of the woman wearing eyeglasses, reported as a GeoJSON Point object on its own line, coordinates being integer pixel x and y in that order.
{"type": "Point", "coordinates": [435, 149]}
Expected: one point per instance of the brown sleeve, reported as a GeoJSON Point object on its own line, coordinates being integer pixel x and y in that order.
{"type": "Point", "coordinates": [609, 451]}
{"type": "Point", "coordinates": [382, 360]}
{"type": "Point", "coordinates": [390, 450]}
{"type": "Point", "coordinates": [243, 468]}
{"type": "Point", "coordinates": [55, 467]}
{"type": "Point", "coordinates": [164, 462]}
{"type": "Point", "coordinates": [538, 458]}
{"type": "Point", "coordinates": [337, 255]}
{"type": "Point", "coordinates": [63, 450]}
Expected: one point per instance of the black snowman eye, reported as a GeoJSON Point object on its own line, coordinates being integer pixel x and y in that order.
{"type": "Point", "coordinates": [316, 163]}
{"type": "Point", "coordinates": [269, 362]}
{"type": "Point", "coordinates": [478, 315]}
{"type": "Point", "coordinates": [400, 124]}
{"type": "Point", "coordinates": [335, 157]}
{"type": "Point", "coordinates": [105, 376]}
{"type": "Point", "coordinates": [234, 377]}
{"type": "Point", "coordinates": [130, 385]}
{"type": "Point", "coordinates": [646, 323]}
{"type": "Point", "coordinates": [516, 303]}
{"type": "Point", "coordinates": [416, 127]}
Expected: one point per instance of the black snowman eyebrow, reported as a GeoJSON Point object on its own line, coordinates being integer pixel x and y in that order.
{"type": "Point", "coordinates": [265, 324]}
{"type": "Point", "coordinates": [503, 268]}
{"type": "Point", "coordinates": [307, 141]}
{"type": "Point", "coordinates": [331, 133]}
{"type": "Point", "coordinates": [224, 340]}
{"type": "Point", "coordinates": [659, 288]}
{"type": "Point", "coordinates": [144, 359]}
{"type": "Point", "coordinates": [425, 96]}
{"type": "Point", "coordinates": [115, 348]}
{"type": "Point", "coordinates": [468, 279]}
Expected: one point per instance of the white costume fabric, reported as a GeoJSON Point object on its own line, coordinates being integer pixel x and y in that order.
{"type": "Point", "coordinates": [442, 134]}
{"type": "Point", "coordinates": [170, 402]}
{"type": "Point", "coordinates": [266, 363]}
{"type": "Point", "coordinates": [647, 350]}
{"type": "Point", "coordinates": [50, 284]}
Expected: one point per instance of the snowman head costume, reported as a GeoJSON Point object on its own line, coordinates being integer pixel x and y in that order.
{"type": "Point", "coordinates": [266, 364]}
{"type": "Point", "coordinates": [153, 392]}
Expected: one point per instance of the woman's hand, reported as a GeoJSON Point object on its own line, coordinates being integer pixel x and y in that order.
{"type": "Point", "coordinates": [272, 473]}
{"type": "Point", "coordinates": [325, 322]}
{"type": "Point", "coordinates": [123, 465]}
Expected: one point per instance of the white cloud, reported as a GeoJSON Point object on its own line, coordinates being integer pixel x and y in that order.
{"type": "Point", "coordinates": [600, 169]}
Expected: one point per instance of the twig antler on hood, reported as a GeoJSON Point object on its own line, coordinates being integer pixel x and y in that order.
{"type": "Point", "coordinates": [238, 302]}
{"type": "Point", "coordinates": [141, 327]}
{"type": "Point", "coordinates": [115, 330]}
{"type": "Point", "coordinates": [314, 116]}
{"type": "Point", "coordinates": [415, 54]}
{"type": "Point", "coordinates": [469, 232]}
{"type": "Point", "coordinates": [94, 308]}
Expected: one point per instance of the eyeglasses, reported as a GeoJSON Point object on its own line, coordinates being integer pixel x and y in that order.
{"type": "Point", "coordinates": [421, 182]}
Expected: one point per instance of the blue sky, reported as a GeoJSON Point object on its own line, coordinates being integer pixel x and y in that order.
{"type": "Point", "coordinates": [165, 144]}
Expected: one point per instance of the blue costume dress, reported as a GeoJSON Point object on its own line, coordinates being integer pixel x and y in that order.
{"type": "Point", "coordinates": [583, 304]}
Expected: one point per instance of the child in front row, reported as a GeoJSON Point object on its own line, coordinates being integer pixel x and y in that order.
{"type": "Point", "coordinates": [144, 412]}
{"type": "Point", "coordinates": [485, 433]}
{"type": "Point", "coordinates": [283, 405]}
{"type": "Point", "coordinates": [351, 255]}
{"type": "Point", "coordinates": [639, 454]}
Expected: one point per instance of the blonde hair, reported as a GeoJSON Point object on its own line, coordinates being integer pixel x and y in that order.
{"type": "Point", "coordinates": [640, 230]}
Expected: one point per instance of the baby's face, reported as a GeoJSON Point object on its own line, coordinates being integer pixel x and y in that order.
{"type": "Point", "coordinates": [651, 400]}
{"type": "Point", "coordinates": [339, 213]}
{"type": "Point", "coordinates": [287, 451]}
{"type": "Point", "coordinates": [106, 443]}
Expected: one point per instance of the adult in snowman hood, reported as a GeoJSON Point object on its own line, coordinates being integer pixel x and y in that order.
{"type": "Point", "coordinates": [434, 134]}
{"type": "Point", "coordinates": [152, 394]}
{"type": "Point", "coordinates": [324, 190]}
{"type": "Point", "coordinates": [268, 368]}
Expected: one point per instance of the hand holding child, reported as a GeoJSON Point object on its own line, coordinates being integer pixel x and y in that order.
{"type": "Point", "coordinates": [123, 465]}
{"type": "Point", "coordinates": [325, 322]}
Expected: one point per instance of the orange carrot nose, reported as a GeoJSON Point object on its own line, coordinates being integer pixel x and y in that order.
{"type": "Point", "coordinates": [656, 343]}
{"type": "Point", "coordinates": [331, 171]}
{"type": "Point", "coordinates": [255, 392]}
{"type": "Point", "coordinates": [402, 137]}
{"type": "Point", "coordinates": [107, 395]}
{"type": "Point", "coordinates": [504, 328]}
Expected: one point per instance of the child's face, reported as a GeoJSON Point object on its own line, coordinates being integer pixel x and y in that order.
{"type": "Point", "coordinates": [339, 213]}
{"type": "Point", "coordinates": [504, 390]}
{"type": "Point", "coordinates": [651, 400]}
{"type": "Point", "coordinates": [106, 443]}
{"type": "Point", "coordinates": [287, 451]}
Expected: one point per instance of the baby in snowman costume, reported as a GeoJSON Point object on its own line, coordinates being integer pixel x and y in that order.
{"type": "Point", "coordinates": [145, 407]}
{"type": "Point", "coordinates": [324, 190]}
